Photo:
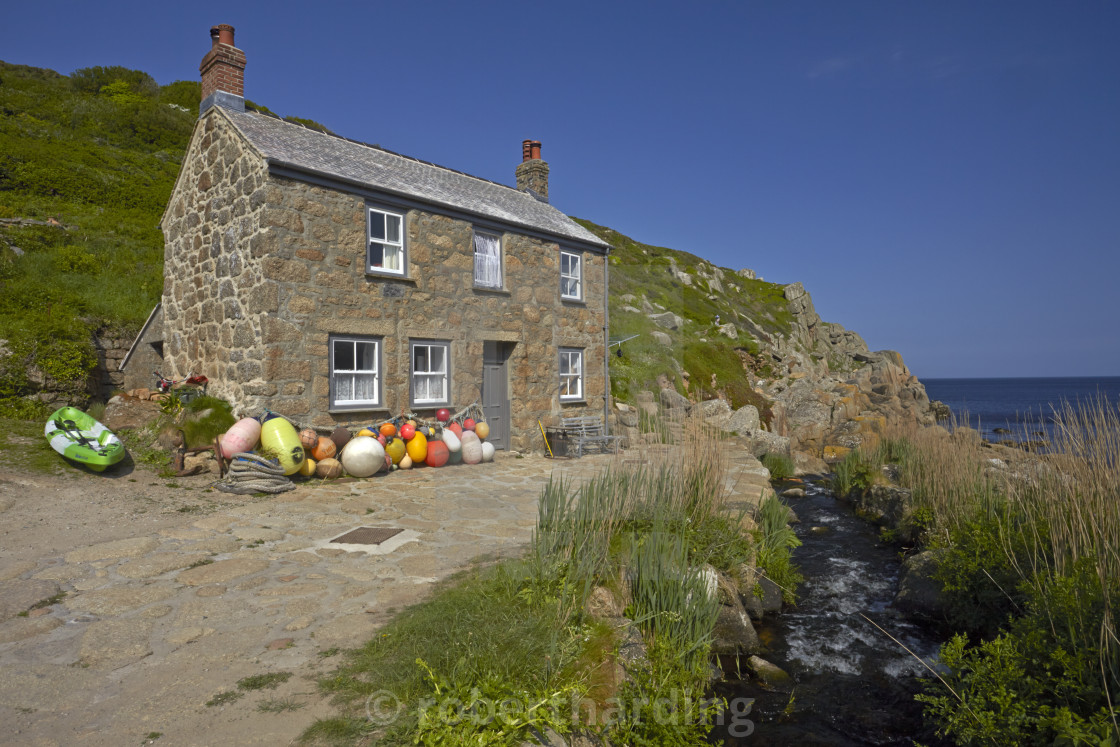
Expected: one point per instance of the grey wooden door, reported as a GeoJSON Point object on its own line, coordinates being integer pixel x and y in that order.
{"type": "Point", "coordinates": [495, 391]}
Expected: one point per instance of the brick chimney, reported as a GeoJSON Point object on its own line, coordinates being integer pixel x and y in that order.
{"type": "Point", "coordinates": [532, 172]}
{"type": "Point", "coordinates": [223, 72]}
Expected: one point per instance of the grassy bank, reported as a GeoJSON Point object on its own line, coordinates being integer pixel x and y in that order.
{"type": "Point", "coordinates": [608, 610]}
{"type": "Point", "coordinates": [1029, 563]}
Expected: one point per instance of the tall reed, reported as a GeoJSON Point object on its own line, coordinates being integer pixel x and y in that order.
{"type": "Point", "coordinates": [1056, 517]}
{"type": "Point", "coordinates": [582, 530]}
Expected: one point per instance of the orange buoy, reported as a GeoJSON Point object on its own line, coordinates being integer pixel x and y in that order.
{"type": "Point", "coordinates": [325, 449]}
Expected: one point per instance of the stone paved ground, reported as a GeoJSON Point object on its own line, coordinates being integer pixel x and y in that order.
{"type": "Point", "coordinates": [172, 593]}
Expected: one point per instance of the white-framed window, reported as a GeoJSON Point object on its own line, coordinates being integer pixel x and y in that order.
{"type": "Point", "coordinates": [571, 278]}
{"type": "Point", "coordinates": [431, 372]}
{"type": "Point", "coordinates": [355, 363]}
{"type": "Point", "coordinates": [571, 374]}
{"type": "Point", "coordinates": [385, 253]}
{"type": "Point", "coordinates": [487, 260]}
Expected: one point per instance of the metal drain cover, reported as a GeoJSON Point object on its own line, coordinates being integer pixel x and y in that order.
{"type": "Point", "coordinates": [367, 536]}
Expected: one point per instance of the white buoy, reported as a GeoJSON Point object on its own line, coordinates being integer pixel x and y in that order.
{"type": "Point", "coordinates": [363, 456]}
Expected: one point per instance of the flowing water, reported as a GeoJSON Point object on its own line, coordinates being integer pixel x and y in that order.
{"type": "Point", "coordinates": [851, 684]}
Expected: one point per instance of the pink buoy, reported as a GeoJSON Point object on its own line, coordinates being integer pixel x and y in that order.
{"type": "Point", "coordinates": [242, 436]}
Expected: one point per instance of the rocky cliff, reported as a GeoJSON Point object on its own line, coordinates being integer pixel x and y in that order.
{"type": "Point", "coordinates": [754, 356]}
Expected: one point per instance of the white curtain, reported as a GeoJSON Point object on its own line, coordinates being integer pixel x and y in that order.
{"type": "Point", "coordinates": [487, 260]}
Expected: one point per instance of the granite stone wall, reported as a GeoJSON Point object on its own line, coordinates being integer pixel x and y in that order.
{"type": "Point", "coordinates": [260, 270]}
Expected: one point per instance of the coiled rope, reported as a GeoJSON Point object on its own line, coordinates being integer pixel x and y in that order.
{"type": "Point", "coordinates": [251, 473]}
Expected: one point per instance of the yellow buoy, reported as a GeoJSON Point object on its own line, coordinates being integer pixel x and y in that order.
{"type": "Point", "coordinates": [308, 468]}
{"type": "Point", "coordinates": [280, 440]}
{"type": "Point", "coordinates": [418, 448]}
{"type": "Point", "coordinates": [395, 449]}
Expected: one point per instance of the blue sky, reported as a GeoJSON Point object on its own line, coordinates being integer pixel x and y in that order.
{"type": "Point", "coordinates": [944, 177]}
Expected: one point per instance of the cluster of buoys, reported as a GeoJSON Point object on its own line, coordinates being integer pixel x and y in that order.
{"type": "Point", "coordinates": [400, 443]}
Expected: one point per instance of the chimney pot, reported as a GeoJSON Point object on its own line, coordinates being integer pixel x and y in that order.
{"type": "Point", "coordinates": [526, 150]}
{"type": "Point", "coordinates": [225, 33]}
{"type": "Point", "coordinates": [535, 150]}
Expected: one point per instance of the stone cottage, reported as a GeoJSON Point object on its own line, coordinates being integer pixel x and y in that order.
{"type": "Point", "coordinates": [338, 283]}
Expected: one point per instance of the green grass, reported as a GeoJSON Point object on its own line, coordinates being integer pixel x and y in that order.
{"type": "Point", "coordinates": [224, 698]}
{"type": "Point", "coordinates": [643, 270]}
{"type": "Point", "coordinates": [482, 629]}
{"type": "Point", "coordinates": [281, 705]}
{"type": "Point", "coordinates": [269, 681]}
{"type": "Point", "coordinates": [22, 443]}
{"type": "Point", "coordinates": [518, 631]}
{"type": "Point", "coordinates": [780, 466]}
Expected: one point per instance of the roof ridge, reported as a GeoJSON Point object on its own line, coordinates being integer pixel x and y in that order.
{"type": "Point", "coordinates": [374, 146]}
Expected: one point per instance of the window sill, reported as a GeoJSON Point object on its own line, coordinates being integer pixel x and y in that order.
{"type": "Point", "coordinates": [496, 291]}
{"type": "Point", "coordinates": [573, 301]}
{"type": "Point", "coordinates": [388, 275]}
{"type": "Point", "coordinates": [572, 402]}
{"type": "Point", "coordinates": [356, 409]}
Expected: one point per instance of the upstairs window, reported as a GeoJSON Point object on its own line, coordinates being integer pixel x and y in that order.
{"type": "Point", "coordinates": [487, 260]}
{"type": "Point", "coordinates": [571, 374]}
{"type": "Point", "coordinates": [430, 373]}
{"type": "Point", "coordinates": [386, 242]}
{"type": "Point", "coordinates": [571, 279]}
{"type": "Point", "coordinates": [355, 372]}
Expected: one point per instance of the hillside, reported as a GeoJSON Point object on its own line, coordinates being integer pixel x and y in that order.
{"type": "Point", "coordinates": [87, 163]}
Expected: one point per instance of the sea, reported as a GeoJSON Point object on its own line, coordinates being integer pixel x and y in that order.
{"type": "Point", "coordinates": [1021, 409]}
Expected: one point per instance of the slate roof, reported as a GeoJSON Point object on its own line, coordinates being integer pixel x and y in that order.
{"type": "Point", "coordinates": [333, 156]}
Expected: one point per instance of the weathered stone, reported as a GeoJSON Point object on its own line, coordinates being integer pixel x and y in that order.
{"type": "Point", "coordinates": [714, 408]}
{"type": "Point", "coordinates": [744, 421]}
{"type": "Point", "coordinates": [222, 571]}
{"type": "Point", "coordinates": [111, 644]}
{"type": "Point", "coordinates": [668, 320]}
{"type": "Point", "coordinates": [770, 676]}
{"type": "Point", "coordinates": [765, 442]}
{"type": "Point", "coordinates": [159, 563]}
{"type": "Point", "coordinates": [671, 399]}
{"type": "Point", "coordinates": [19, 595]}
{"type": "Point", "coordinates": [920, 594]}
{"type": "Point", "coordinates": [21, 628]}
{"type": "Point", "coordinates": [257, 534]}
{"type": "Point", "coordinates": [16, 569]}
{"type": "Point", "coordinates": [125, 548]}
{"type": "Point", "coordinates": [183, 636]}
{"type": "Point", "coordinates": [115, 600]}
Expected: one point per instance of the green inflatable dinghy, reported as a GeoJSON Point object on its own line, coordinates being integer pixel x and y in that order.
{"type": "Point", "coordinates": [75, 435]}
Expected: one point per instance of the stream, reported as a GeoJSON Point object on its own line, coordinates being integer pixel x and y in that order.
{"type": "Point", "coordinates": [852, 685]}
